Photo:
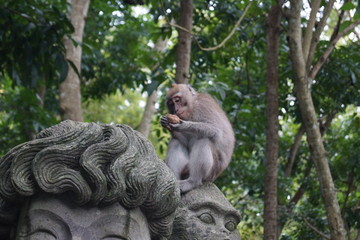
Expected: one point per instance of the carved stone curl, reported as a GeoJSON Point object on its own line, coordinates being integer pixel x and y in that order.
{"type": "Point", "coordinates": [94, 165]}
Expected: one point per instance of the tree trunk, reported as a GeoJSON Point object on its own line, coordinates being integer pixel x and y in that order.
{"type": "Point", "coordinates": [358, 235]}
{"type": "Point", "coordinates": [288, 167]}
{"type": "Point", "coordinates": [272, 124]}
{"type": "Point", "coordinates": [310, 121]}
{"type": "Point", "coordinates": [183, 50]}
{"type": "Point", "coordinates": [149, 110]}
{"type": "Point", "coordinates": [70, 96]}
{"type": "Point", "coordinates": [318, 155]}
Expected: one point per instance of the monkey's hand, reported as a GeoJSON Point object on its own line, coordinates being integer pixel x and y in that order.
{"type": "Point", "coordinates": [165, 123]}
{"type": "Point", "coordinates": [170, 120]}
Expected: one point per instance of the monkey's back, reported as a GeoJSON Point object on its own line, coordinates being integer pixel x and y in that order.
{"type": "Point", "coordinates": [206, 109]}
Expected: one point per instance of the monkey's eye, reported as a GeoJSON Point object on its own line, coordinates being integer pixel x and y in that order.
{"type": "Point", "coordinates": [176, 99]}
{"type": "Point", "coordinates": [231, 226]}
{"type": "Point", "coordinates": [206, 218]}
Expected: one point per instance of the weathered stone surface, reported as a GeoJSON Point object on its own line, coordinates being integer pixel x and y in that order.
{"type": "Point", "coordinates": [205, 213]}
{"type": "Point", "coordinates": [97, 181]}
{"type": "Point", "coordinates": [47, 216]}
{"type": "Point", "coordinates": [93, 165]}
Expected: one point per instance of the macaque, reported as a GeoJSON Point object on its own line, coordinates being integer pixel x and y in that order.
{"type": "Point", "coordinates": [202, 139]}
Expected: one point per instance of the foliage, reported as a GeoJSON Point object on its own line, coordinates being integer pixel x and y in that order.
{"type": "Point", "coordinates": [116, 108]}
{"type": "Point", "coordinates": [344, 153]}
{"type": "Point", "coordinates": [31, 49]}
{"type": "Point", "coordinates": [21, 115]}
{"type": "Point", "coordinates": [116, 49]}
{"type": "Point", "coordinates": [337, 84]}
{"type": "Point", "coordinates": [31, 61]}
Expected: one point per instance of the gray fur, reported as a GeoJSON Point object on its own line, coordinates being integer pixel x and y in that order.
{"type": "Point", "coordinates": [203, 143]}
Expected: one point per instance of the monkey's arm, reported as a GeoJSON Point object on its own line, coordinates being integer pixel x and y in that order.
{"type": "Point", "coordinates": [199, 129]}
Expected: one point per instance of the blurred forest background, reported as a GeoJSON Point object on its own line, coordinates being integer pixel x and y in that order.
{"type": "Point", "coordinates": [287, 73]}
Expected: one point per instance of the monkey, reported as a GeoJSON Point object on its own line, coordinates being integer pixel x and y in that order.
{"type": "Point", "coordinates": [202, 138]}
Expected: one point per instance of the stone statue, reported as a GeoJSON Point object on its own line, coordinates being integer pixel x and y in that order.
{"type": "Point", "coordinates": [90, 181]}
{"type": "Point", "coordinates": [86, 181]}
{"type": "Point", "coordinates": [204, 213]}
{"type": "Point", "coordinates": [48, 217]}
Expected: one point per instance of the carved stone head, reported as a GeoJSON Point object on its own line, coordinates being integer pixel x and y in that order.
{"type": "Point", "coordinates": [86, 181]}
{"type": "Point", "coordinates": [205, 213]}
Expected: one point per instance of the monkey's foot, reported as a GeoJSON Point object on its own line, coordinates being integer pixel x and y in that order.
{"type": "Point", "coordinates": [188, 184]}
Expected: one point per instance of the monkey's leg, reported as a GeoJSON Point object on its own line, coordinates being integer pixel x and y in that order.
{"type": "Point", "coordinates": [200, 164]}
{"type": "Point", "coordinates": [177, 157]}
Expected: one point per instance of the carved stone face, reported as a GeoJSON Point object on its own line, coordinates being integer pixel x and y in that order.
{"type": "Point", "coordinates": [210, 220]}
{"type": "Point", "coordinates": [49, 218]}
{"type": "Point", "coordinates": [205, 213]}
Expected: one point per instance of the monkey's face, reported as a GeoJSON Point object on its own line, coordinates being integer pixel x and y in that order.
{"type": "Point", "coordinates": [180, 98]}
{"type": "Point", "coordinates": [179, 106]}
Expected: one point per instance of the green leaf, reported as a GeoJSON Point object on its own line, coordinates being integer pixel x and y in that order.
{"type": "Point", "coordinates": [344, 25]}
{"type": "Point", "coordinates": [353, 77]}
{"type": "Point", "coordinates": [348, 6]}
{"type": "Point", "coordinates": [72, 64]}
{"type": "Point", "coordinates": [62, 66]}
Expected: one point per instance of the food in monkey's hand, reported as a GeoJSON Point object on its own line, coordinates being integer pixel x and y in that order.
{"type": "Point", "coordinates": [168, 119]}
{"type": "Point", "coordinates": [173, 118]}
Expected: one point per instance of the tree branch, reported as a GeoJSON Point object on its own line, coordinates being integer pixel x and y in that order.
{"type": "Point", "coordinates": [327, 52]}
{"type": "Point", "coordinates": [350, 186]}
{"type": "Point", "coordinates": [312, 227]}
{"type": "Point", "coordinates": [319, 29]}
{"type": "Point", "coordinates": [225, 39]}
{"type": "Point", "coordinates": [295, 39]}
{"type": "Point", "coordinates": [325, 126]}
{"type": "Point", "coordinates": [23, 15]}
{"type": "Point", "coordinates": [301, 190]}
{"type": "Point", "coordinates": [315, 5]}
{"type": "Point", "coordinates": [293, 151]}
{"type": "Point", "coordinates": [357, 35]}
{"type": "Point", "coordinates": [338, 24]}
{"type": "Point", "coordinates": [228, 36]}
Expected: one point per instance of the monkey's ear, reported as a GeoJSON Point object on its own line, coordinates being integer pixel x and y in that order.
{"type": "Point", "coordinates": [192, 91]}
{"type": "Point", "coordinates": [173, 85]}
